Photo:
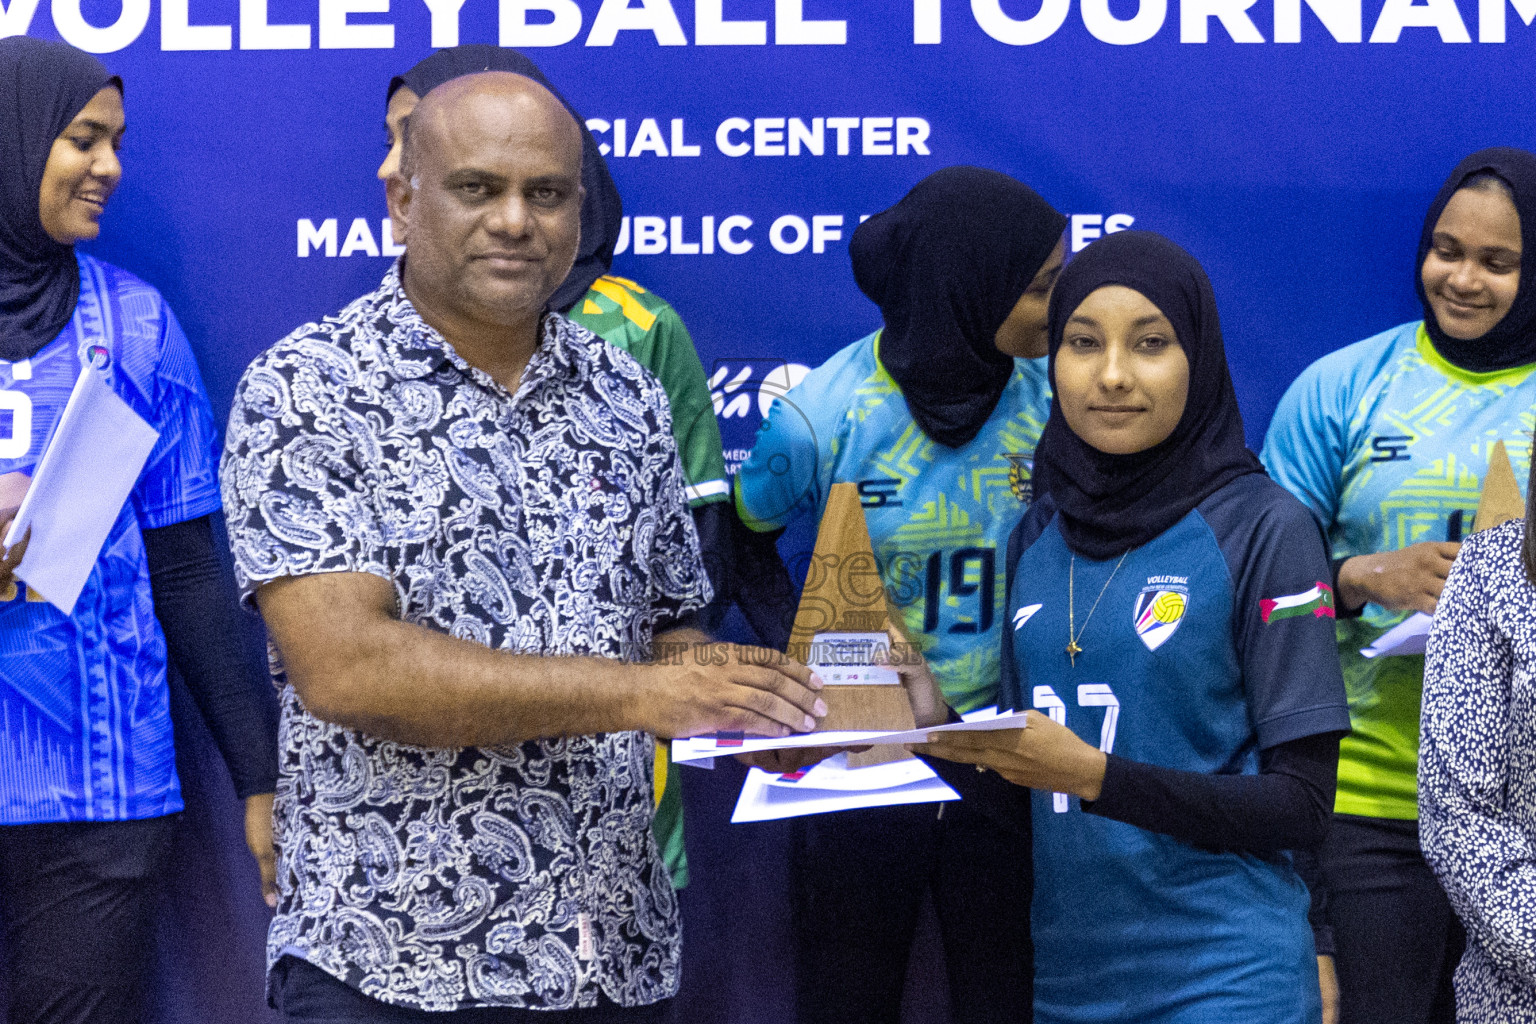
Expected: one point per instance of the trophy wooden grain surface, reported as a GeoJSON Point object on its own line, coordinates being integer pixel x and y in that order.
{"type": "Point", "coordinates": [844, 594]}
{"type": "Point", "coordinates": [1501, 499]}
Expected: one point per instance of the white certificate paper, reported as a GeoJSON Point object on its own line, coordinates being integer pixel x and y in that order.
{"type": "Point", "coordinates": [85, 475]}
{"type": "Point", "coordinates": [833, 786]}
{"type": "Point", "coordinates": [705, 748]}
{"type": "Point", "coordinates": [1407, 637]}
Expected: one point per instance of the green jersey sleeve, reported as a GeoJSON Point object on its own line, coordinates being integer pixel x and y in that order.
{"type": "Point", "coordinates": [646, 326]}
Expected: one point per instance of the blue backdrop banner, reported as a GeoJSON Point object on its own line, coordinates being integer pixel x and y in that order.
{"type": "Point", "coordinates": [1291, 145]}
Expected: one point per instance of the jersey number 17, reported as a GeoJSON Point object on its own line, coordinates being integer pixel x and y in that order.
{"type": "Point", "coordinates": [1089, 695]}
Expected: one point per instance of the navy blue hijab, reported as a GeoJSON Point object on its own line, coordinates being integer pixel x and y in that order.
{"type": "Point", "coordinates": [602, 211]}
{"type": "Point", "coordinates": [1512, 341]}
{"type": "Point", "coordinates": [1108, 504]}
{"type": "Point", "coordinates": [946, 266]}
{"type": "Point", "coordinates": [43, 86]}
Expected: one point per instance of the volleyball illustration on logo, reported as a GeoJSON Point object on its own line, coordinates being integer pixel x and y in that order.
{"type": "Point", "coordinates": [1158, 614]}
{"type": "Point", "coordinates": [98, 357]}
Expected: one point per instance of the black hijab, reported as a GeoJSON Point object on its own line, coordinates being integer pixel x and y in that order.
{"type": "Point", "coordinates": [1512, 342]}
{"type": "Point", "coordinates": [43, 86]}
{"type": "Point", "coordinates": [602, 211]}
{"type": "Point", "coordinates": [1109, 504]}
{"type": "Point", "coordinates": [946, 266]}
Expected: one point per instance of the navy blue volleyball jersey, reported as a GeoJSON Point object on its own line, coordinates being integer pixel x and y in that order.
{"type": "Point", "coordinates": [1209, 643]}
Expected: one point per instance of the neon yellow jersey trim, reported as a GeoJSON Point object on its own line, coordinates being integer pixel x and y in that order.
{"type": "Point", "coordinates": [1513, 377]}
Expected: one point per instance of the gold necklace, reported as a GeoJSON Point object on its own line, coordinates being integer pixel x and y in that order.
{"type": "Point", "coordinates": [1073, 633]}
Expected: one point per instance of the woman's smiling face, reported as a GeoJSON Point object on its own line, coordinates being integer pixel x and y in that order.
{"type": "Point", "coordinates": [1122, 377]}
{"type": "Point", "coordinates": [1471, 273]}
{"type": "Point", "coordinates": [83, 170]}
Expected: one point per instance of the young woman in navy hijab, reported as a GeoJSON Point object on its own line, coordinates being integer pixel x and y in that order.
{"type": "Point", "coordinates": [88, 786]}
{"type": "Point", "coordinates": [1170, 623]}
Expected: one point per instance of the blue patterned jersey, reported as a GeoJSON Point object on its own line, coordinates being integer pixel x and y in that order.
{"type": "Point", "coordinates": [1199, 649]}
{"type": "Point", "coordinates": [936, 515]}
{"type": "Point", "coordinates": [1387, 444]}
{"type": "Point", "coordinates": [84, 711]}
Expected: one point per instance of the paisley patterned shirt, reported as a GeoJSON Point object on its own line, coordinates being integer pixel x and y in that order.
{"type": "Point", "coordinates": [1477, 772]}
{"type": "Point", "coordinates": [549, 522]}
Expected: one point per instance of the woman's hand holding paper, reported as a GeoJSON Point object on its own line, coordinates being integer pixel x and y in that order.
{"type": "Point", "coordinates": [10, 557]}
{"type": "Point", "coordinates": [13, 487]}
{"type": "Point", "coordinates": [1408, 579]}
{"type": "Point", "coordinates": [1043, 755]}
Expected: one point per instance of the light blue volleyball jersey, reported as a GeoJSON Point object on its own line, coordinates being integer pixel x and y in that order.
{"type": "Point", "coordinates": [938, 516]}
{"type": "Point", "coordinates": [1387, 444]}
{"type": "Point", "coordinates": [84, 710]}
{"type": "Point", "coordinates": [1209, 643]}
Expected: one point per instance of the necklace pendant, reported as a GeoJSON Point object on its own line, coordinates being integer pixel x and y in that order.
{"type": "Point", "coordinates": [1073, 651]}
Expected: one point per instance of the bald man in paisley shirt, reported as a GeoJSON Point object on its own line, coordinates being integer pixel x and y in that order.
{"type": "Point", "coordinates": [463, 519]}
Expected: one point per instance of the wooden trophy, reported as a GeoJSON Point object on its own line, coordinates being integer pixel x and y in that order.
{"type": "Point", "coordinates": [1501, 499]}
{"type": "Point", "coordinates": [845, 595]}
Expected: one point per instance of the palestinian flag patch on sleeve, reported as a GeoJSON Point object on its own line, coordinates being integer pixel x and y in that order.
{"type": "Point", "coordinates": [1317, 602]}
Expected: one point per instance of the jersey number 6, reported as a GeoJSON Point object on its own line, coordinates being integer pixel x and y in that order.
{"type": "Point", "coordinates": [16, 407]}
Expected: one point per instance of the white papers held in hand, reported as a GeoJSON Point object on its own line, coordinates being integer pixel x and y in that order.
{"type": "Point", "coordinates": [833, 786]}
{"type": "Point", "coordinates": [704, 748]}
{"type": "Point", "coordinates": [85, 475]}
{"type": "Point", "coordinates": [1407, 637]}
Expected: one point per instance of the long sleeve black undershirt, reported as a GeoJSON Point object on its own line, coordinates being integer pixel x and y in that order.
{"type": "Point", "coordinates": [1284, 807]}
{"type": "Point", "coordinates": [1311, 873]}
{"type": "Point", "coordinates": [196, 605]}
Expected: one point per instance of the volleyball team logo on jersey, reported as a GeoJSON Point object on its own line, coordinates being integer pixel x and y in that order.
{"type": "Point", "coordinates": [1159, 611]}
{"type": "Point", "coordinates": [1317, 602]}
{"type": "Point", "coordinates": [1021, 475]}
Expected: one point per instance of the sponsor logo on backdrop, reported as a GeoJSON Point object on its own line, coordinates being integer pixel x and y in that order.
{"type": "Point", "coordinates": [599, 23]}
{"type": "Point", "coordinates": [743, 390]}
{"type": "Point", "coordinates": [730, 379]}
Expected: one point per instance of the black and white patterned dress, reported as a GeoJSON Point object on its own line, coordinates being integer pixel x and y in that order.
{"type": "Point", "coordinates": [1477, 772]}
{"type": "Point", "coordinates": [548, 522]}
